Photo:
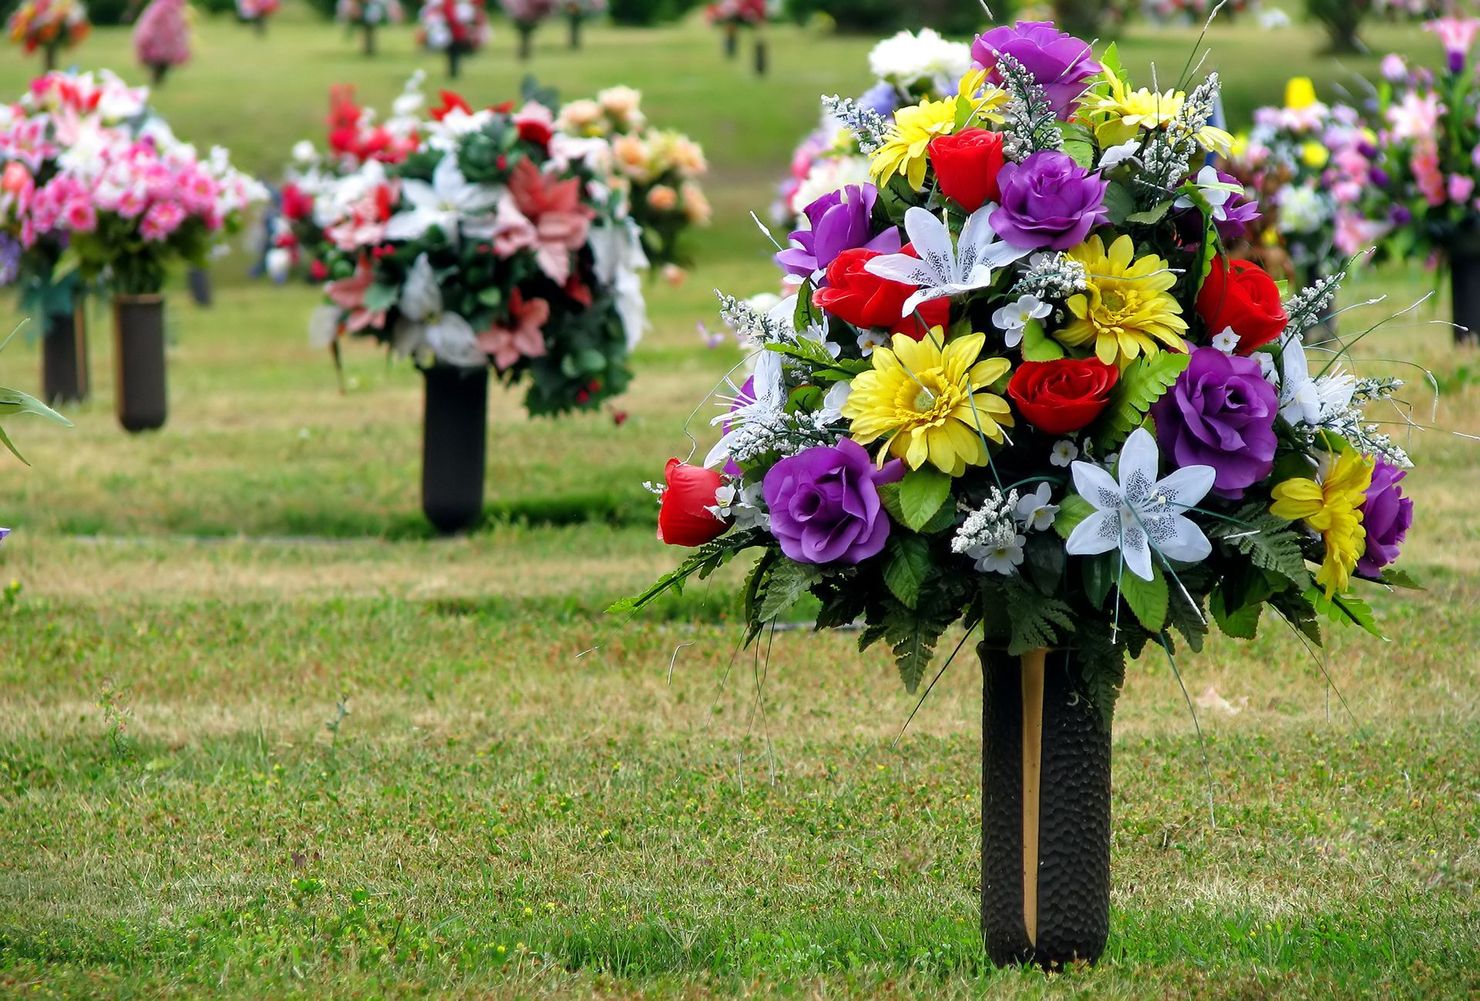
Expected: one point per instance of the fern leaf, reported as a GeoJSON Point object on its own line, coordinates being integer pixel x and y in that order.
{"type": "Point", "coordinates": [1141, 384]}
{"type": "Point", "coordinates": [1269, 542]}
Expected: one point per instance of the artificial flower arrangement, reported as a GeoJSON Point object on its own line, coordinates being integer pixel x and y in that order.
{"type": "Point", "coordinates": [162, 37]}
{"type": "Point", "coordinates": [527, 16]}
{"type": "Point", "coordinates": [1191, 12]}
{"type": "Point", "coordinates": [1023, 388]}
{"type": "Point", "coordinates": [1416, 178]}
{"type": "Point", "coordinates": [49, 26]}
{"type": "Point", "coordinates": [369, 13]}
{"type": "Point", "coordinates": [577, 12]}
{"type": "Point", "coordinates": [658, 169]}
{"type": "Point", "coordinates": [907, 67]}
{"type": "Point", "coordinates": [1297, 159]}
{"type": "Point", "coordinates": [738, 13]}
{"type": "Point", "coordinates": [455, 28]}
{"type": "Point", "coordinates": [256, 12]}
{"type": "Point", "coordinates": [495, 244]}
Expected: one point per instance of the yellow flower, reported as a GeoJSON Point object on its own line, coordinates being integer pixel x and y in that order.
{"type": "Point", "coordinates": [1300, 93]}
{"type": "Point", "coordinates": [1239, 148]}
{"type": "Point", "coordinates": [1315, 155]}
{"type": "Point", "coordinates": [985, 99]}
{"type": "Point", "coordinates": [1330, 505]}
{"type": "Point", "coordinates": [1128, 306]}
{"type": "Point", "coordinates": [905, 147]}
{"type": "Point", "coordinates": [925, 399]}
{"type": "Point", "coordinates": [1124, 112]}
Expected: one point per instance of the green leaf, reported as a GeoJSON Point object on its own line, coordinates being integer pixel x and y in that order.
{"type": "Point", "coordinates": [784, 587]}
{"type": "Point", "coordinates": [921, 494]}
{"type": "Point", "coordinates": [912, 634]}
{"type": "Point", "coordinates": [706, 560]}
{"type": "Point", "coordinates": [1240, 623]}
{"type": "Point", "coordinates": [1099, 577]}
{"type": "Point", "coordinates": [1119, 202]}
{"type": "Point", "coordinates": [1038, 346]}
{"type": "Point", "coordinates": [1079, 143]}
{"type": "Point", "coordinates": [889, 497]}
{"type": "Point", "coordinates": [5, 440]}
{"type": "Point", "coordinates": [1393, 577]}
{"type": "Point", "coordinates": [1036, 621]}
{"type": "Point", "coordinates": [492, 296]}
{"type": "Point", "coordinates": [806, 314]}
{"type": "Point", "coordinates": [1072, 510]}
{"type": "Point", "coordinates": [1344, 608]}
{"type": "Point", "coordinates": [1111, 60]}
{"type": "Point", "coordinates": [907, 567]}
{"type": "Point", "coordinates": [1102, 666]}
{"type": "Point", "coordinates": [1146, 598]}
{"type": "Point", "coordinates": [13, 401]}
{"type": "Point", "coordinates": [1141, 384]}
{"type": "Point", "coordinates": [1269, 542]}
{"type": "Point", "coordinates": [1151, 216]}
{"type": "Point", "coordinates": [381, 297]}
{"type": "Point", "coordinates": [1185, 614]}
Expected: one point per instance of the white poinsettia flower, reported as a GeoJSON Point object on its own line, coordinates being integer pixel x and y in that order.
{"type": "Point", "coordinates": [1014, 318]}
{"type": "Point", "coordinates": [943, 270]}
{"type": "Point", "coordinates": [445, 203]}
{"type": "Point", "coordinates": [425, 326]}
{"type": "Point", "coordinates": [1141, 513]}
{"type": "Point", "coordinates": [1303, 399]}
{"type": "Point", "coordinates": [1034, 510]}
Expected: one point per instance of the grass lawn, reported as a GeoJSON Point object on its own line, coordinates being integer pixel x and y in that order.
{"type": "Point", "coordinates": [261, 734]}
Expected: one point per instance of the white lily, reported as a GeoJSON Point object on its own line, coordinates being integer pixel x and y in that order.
{"type": "Point", "coordinates": [444, 203]}
{"type": "Point", "coordinates": [619, 259]}
{"type": "Point", "coordinates": [942, 270]}
{"type": "Point", "coordinates": [1140, 512]}
{"type": "Point", "coordinates": [425, 326]}
{"type": "Point", "coordinates": [1303, 399]}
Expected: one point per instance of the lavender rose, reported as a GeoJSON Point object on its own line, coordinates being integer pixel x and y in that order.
{"type": "Point", "coordinates": [841, 220]}
{"type": "Point", "coordinates": [825, 506]}
{"type": "Point", "coordinates": [1049, 202]}
{"type": "Point", "coordinates": [1059, 61]}
{"type": "Point", "coordinates": [1387, 515]}
{"type": "Point", "coordinates": [1220, 412]}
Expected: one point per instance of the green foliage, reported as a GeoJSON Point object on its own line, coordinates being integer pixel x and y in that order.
{"type": "Point", "coordinates": [912, 634]}
{"type": "Point", "coordinates": [922, 493]}
{"type": "Point", "coordinates": [1346, 609]}
{"type": "Point", "coordinates": [1034, 621]}
{"type": "Point", "coordinates": [1102, 667]}
{"type": "Point", "coordinates": [907, 566]}
{"type": "Point", "coordinates": [12, 402]}
{"type": "Point", "coordinates": [1271, 543]}
{"type": "Point", "coordinates": [782, 586]}
{"type": "Point", "coordinates": [1240, 622]}
{"type": "Point", "coordinates": [1142, 383]}
{"type": "Point", "coordinates": [645, 13]}
{"type": "Point", "coordinates": [1147, 599]}
{"type": "Point", "coordinates": [705, 561]}
{"type": "Point", "coordinates": [1072, 510]}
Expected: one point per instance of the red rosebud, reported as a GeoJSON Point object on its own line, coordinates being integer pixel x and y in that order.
{"type": "Point", "coordinates": [534, 131]}
{"type": "Point", "coordinates": [450, 102]}
{"type": "Point", "coordinates": [966, 165]}
{"type": "Point", "coordinates": [296, 204]}
{"type": "Point", "coordinates": [685, 518]}
{"type": "Point", "coordinates": [318, 271]}
{"type": "Point", "coordinates": [619, 417]}
{"type": "Point", "coordinates": [1240, 296]}
{"type": "Point", "coordinates": [1065, 395]}
{"type": "Point", "coordinates": [868, 301]}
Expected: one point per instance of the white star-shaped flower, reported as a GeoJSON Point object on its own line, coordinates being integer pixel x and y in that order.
{"type": "Point", "coordinates": [1064, 452]}
{"type": "Point", "coordinates": [1227, 341]}
{"type": "Point", "coordinates": [1034, 511]}
{"type": "Point", "coordinates": [1003, 559]}
{"type": "Point", "coordinates": [1141, 513]}
{"type": "Point", "coordinates": [1303, 399]}
{"type": "Point", "coordinates": [447, 201]}
{"type": "Point", "coordinates": [942, 270]}
{"type": "Point", "coordinates": [1013, 318]}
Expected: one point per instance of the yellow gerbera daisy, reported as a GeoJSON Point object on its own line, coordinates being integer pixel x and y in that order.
{"type": "Point", "coordinates": [1331, 505]}
{"type": "Point", "coordinates": [1127, 308]}
{"type": "Point", "coordinates": [1122, 112]}
{"type": "Point", "coordinates": [906, 146]}
{"type": "Point", "coordinates": [985, 99]}
{"type": "Point", "coordinates": [925, 399]}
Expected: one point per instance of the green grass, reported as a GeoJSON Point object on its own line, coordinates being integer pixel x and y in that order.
{"type": "Point", "coordinates": [528, 798]}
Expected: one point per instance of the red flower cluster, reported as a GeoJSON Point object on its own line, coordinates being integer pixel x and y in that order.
{"type": "Point", "coordinates": [868, 301]}
{"type": "Point", "coordinates": [966, 165]}
{"type": "Point", "coordinates": [351, 135]}
{"type": "Point", "coordinates": [1062, 396]}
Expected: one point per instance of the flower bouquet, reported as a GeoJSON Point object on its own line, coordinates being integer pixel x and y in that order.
{"type": "Point", "coordinates": [496, 245]}
{"type": "Point", "coordinates": [527, 16]}
{"type": "Point", "coordinates": [1297, 159]}
{"type": "Point", "coordinates": [731, 16]}
{"type": "Point", "coordinates": [256, 12]}
{"type": "Point", "coordinates": [1021, 388]}
{"type": "Point", "coordinates": [456, 28]}
{"type": "Point", "coordinates": [907, 67]}
{"type": "Point", "coordinates": [577, 12]}
{"type": "Point", "coordinates": [162, 37]}
{"type": "Point", "coordinates": [101, 189]}
{"type": "Point", "coordinates": [48, 25]}
{"type": "Point", "coordinates": [1418, 180]}
{"type": "Point", "coordinates": [659, 169]}
{"type": "Point", "coordinates": [1167, 13]}
{"type": "Point", "coordinates": [368, 16]}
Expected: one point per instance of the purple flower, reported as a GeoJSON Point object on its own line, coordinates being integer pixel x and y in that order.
{"type": "Point", "coordinates": [841, 220]}
{"type": "Point", "coordinates": [1058, 61]}
{"type": "Point", "coordinates": [1380, 177]}
{"type": "Point", "coordinates": [1400, 215]}
{"type": "Point", "coordinates": [825, 506]}
{"type": "Point", "coordinates": [744, 398]}
{"type": "Point", "coordinates": [3, 533]}
{"type": "Point", "coordinates": [1238, 213]}
{"type": "Point", "coordinates": [881, 97]}
{"type": "Point", "coordinates": [10, 259]}
{"type": "Point", "coordinates": [1220, 413]}
{"type": "Point", "coordinates": [1049, 202]}
{"type": "Point", "coordinates": [1387, 515]}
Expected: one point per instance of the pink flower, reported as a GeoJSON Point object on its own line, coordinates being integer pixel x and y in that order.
{"type": "Point", "coordinates": [1415, 117]}
{"type": "Point", "coordinates": [349, 295]}
{"type": "Point", "coordinates": [1460, 188]}
{"type": "Point", "coordinates": [1355, 234]}
{"type": "Point", "coordinates": [1456, 34]}
{"type": "Point", "coordinates": [1428, 175]}
{"type": "Point", "coordinates": [161, 221]}
{"type": "Point", "coordinates": [561, 222]}
{"type": "Point", "coordinates": [1393, 67]}
{"type": "Point", "coordinates": [81, 216]}
{"type": "Point", "coordinates": [524, 339]}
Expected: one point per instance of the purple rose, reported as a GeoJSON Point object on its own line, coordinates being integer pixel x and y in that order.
{"type": "Point", "coordinates": [1049, 202]}
{"type": "Point", "coordinates": [841, 220]}
{"type": "Point", "coordinates": [1220, 412]}
{"type": "Point", "coordinates": [1387, 515]}
{"type": "Point", "coordinates": [825, 506]}
{"type": "Point", "coordinates": [1058, 61]}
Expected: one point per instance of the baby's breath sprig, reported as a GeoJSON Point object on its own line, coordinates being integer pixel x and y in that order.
{"type": "Point", "coordinates": [751, 324]}
{"type": "Point", "coordinates": [866, 124]}
{"type": "Point", "coordinates": [1306, 307]}
{"type": "Point", "coordinates": [1032, 123]}
{"type": "Point", "coordinates": [1052, 276]}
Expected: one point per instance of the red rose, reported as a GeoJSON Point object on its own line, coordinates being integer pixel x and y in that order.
{"type": "Point", "coordinates": [685, 518]}
{"type": "Point", "coordinates": [966, 164]}
{"type": "Point", "coordinates": [296, 204]}
{"type": "Point", "coordinates": [868, 301]}
{"type": "Point", "coordinates": [1240, 295]}
{"type": "Point", "coordinates": [1065, 395]}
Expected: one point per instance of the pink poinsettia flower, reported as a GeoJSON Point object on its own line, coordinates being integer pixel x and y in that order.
{"type": "Point", "coordinates": [349, 295]}
{"type": "Point", "coordinates": [524, 338]}
{"type": "Point", "coordinates": [561, 222]}
{"type": "Point", "coordinates": [1415, 117]}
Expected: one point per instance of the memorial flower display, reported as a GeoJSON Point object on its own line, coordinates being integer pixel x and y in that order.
{"type": "Point", "coordinates": [1022, 388]}
{"type": "Point", "coordinates": [659, 170]}
{"type": "Point", "coordinates": [48, 26]}
{"type": "Point", "coordinates": [454, 28]}
{"type": "Point", "coordinates": [162, 37]}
